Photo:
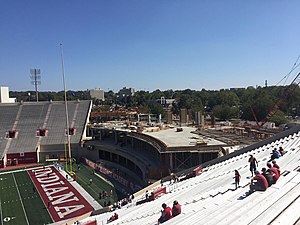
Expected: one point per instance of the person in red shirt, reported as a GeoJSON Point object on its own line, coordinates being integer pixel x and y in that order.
{"type": "Point", "coordinates": [269, 177]}
{"type": "Point", "coordinates": [166, 214]}
{"type": "Point", "coordinates": [113, 218]}
{"type": "Point", "coordinates": [274, 172]}
{"type": "Point", "coordinates": [261, 183]}
{"type": "Point", "coordinates": [275, 165]}
{"type": "Point", "coordinates": [116, 216]}
{"type": "Point", "coordinates": [176, 209]}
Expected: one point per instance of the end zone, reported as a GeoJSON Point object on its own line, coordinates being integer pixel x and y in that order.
{"type": "Point", "coordinates": [59, 196]}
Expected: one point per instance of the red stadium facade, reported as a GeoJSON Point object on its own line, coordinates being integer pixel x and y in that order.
{"type": "Point", "coordinates": [14, 159]}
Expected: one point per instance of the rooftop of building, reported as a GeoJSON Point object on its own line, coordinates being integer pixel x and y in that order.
{"type": "Point", "coordinates": [181, 136]}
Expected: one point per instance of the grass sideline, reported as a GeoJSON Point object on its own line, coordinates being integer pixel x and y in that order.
{"type": "Point", "coordinates": [20, 203]}
{"type": "Point", "coordinates": [98, 185]}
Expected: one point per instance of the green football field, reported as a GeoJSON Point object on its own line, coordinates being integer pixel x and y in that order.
{"type": "Point", "coordinates": [98, 185]}
{"type": "Point", "coordinates": [20, 203]}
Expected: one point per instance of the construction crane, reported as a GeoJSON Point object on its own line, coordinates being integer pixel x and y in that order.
{"type": "Point", "coordinates": [286, 93]}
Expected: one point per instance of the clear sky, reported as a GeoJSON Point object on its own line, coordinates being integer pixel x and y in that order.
{"type": "Point", "coordinates": [148, 44]}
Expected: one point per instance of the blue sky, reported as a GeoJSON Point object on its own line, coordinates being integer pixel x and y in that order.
{"type": "Point", "coordinates": [148, 45]}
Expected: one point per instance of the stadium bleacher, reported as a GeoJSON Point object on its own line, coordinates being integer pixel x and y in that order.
{"type": "Point", "coordinates": [211, 198]}
{"type": "Point", "coordinates": [28, 119]}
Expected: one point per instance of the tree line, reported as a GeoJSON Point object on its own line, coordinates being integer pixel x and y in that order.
{"type": "Point", "coordinates": [224, 104]}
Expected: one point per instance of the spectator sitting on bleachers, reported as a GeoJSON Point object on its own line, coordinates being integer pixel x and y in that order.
{"type": "Point", "coordinates": [268, 176]}
{"type": "Point", "coordinates": [282, 152]}
{"type": "Point", "coordinates": [166, 213]}
{"type": "Point", "coordinates": [273, 171]}
{"type": "Point", "coordinates": [261, 183]}
{"type": "Point", "coordinates": [275, 154]}
{"type": "Point", "coordinates": [147, 195]}
{"type": "Point", "coordinates": [175, 178]}
{"type": "Point", "coordinates": [275, 165]}
{"type": "Point", "coordinates": [115, 206]}
{"type": "Point", "coordinates": [279, 153]}
{"type": "Point", "coordinates": [113, 218]}
{"type": "Point", "coordinates": [124, 202]}
{"type": "Point", "coordinates": [116, 216]}
{"type": "Point", "coordinates": [176, 209]}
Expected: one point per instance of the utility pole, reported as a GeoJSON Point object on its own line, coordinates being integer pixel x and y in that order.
{"type": "Point", "coordinates": [66, 110]}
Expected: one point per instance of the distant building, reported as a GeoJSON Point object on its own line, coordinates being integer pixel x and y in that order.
{"type": "Point", "coordinates": [97, 93]}
{"type": "Point", "coordinates": [125, 92]}
{"type": "Point", "coordinates": [4, 96]}
{"type": "Point", "coordinates": [166, 101]}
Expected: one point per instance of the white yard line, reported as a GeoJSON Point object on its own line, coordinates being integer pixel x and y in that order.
{"type": "Point", "coordinates": [21, 200]}
{"type": "Point", "coordinates": [1, 216]}
{"type": "Point", "coordinates": [22, 169]}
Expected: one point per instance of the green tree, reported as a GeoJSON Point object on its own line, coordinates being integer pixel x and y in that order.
{"type": "Point", "coordinates": [279, 118]}
{"type": "Point", "coordinates": [156, 108]}
{"type": "Point", "coordinates": [225, 112]}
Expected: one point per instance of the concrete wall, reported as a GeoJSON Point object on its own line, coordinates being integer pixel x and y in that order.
{"type": "Point", "coordinates": [97, 93]}
{"type": "Point", "coordinates": [25, 157]}
{"type": "Point", "coordinates": [57, 150]}
{"type": "Point", "coordinates": [183, 117]}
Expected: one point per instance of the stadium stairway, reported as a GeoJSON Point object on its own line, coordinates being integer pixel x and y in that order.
{"type": "Point", "coordinates": [245, 210]}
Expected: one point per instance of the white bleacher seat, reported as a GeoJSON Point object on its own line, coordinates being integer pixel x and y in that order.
{"type": "Point", "coordinates": [210, 198]}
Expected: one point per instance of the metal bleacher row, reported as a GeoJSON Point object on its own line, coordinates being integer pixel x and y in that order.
{"type": "Point", "coordinates": [7, 119]}
{"type": "Point", "coordinates": [211, 197]}
{"type": "Point", "coordinates": [31, 118]}
{"type": "Point", "coordinates": [26, 118]}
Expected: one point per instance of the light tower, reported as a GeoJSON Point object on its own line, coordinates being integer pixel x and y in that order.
{"type": "Point", "coordinates": [36, 80]}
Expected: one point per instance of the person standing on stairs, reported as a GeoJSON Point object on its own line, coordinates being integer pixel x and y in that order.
{"type": "Point", "coordinates": [237, 178]}
{"type": "Point", "coordinates": [253, 164]}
